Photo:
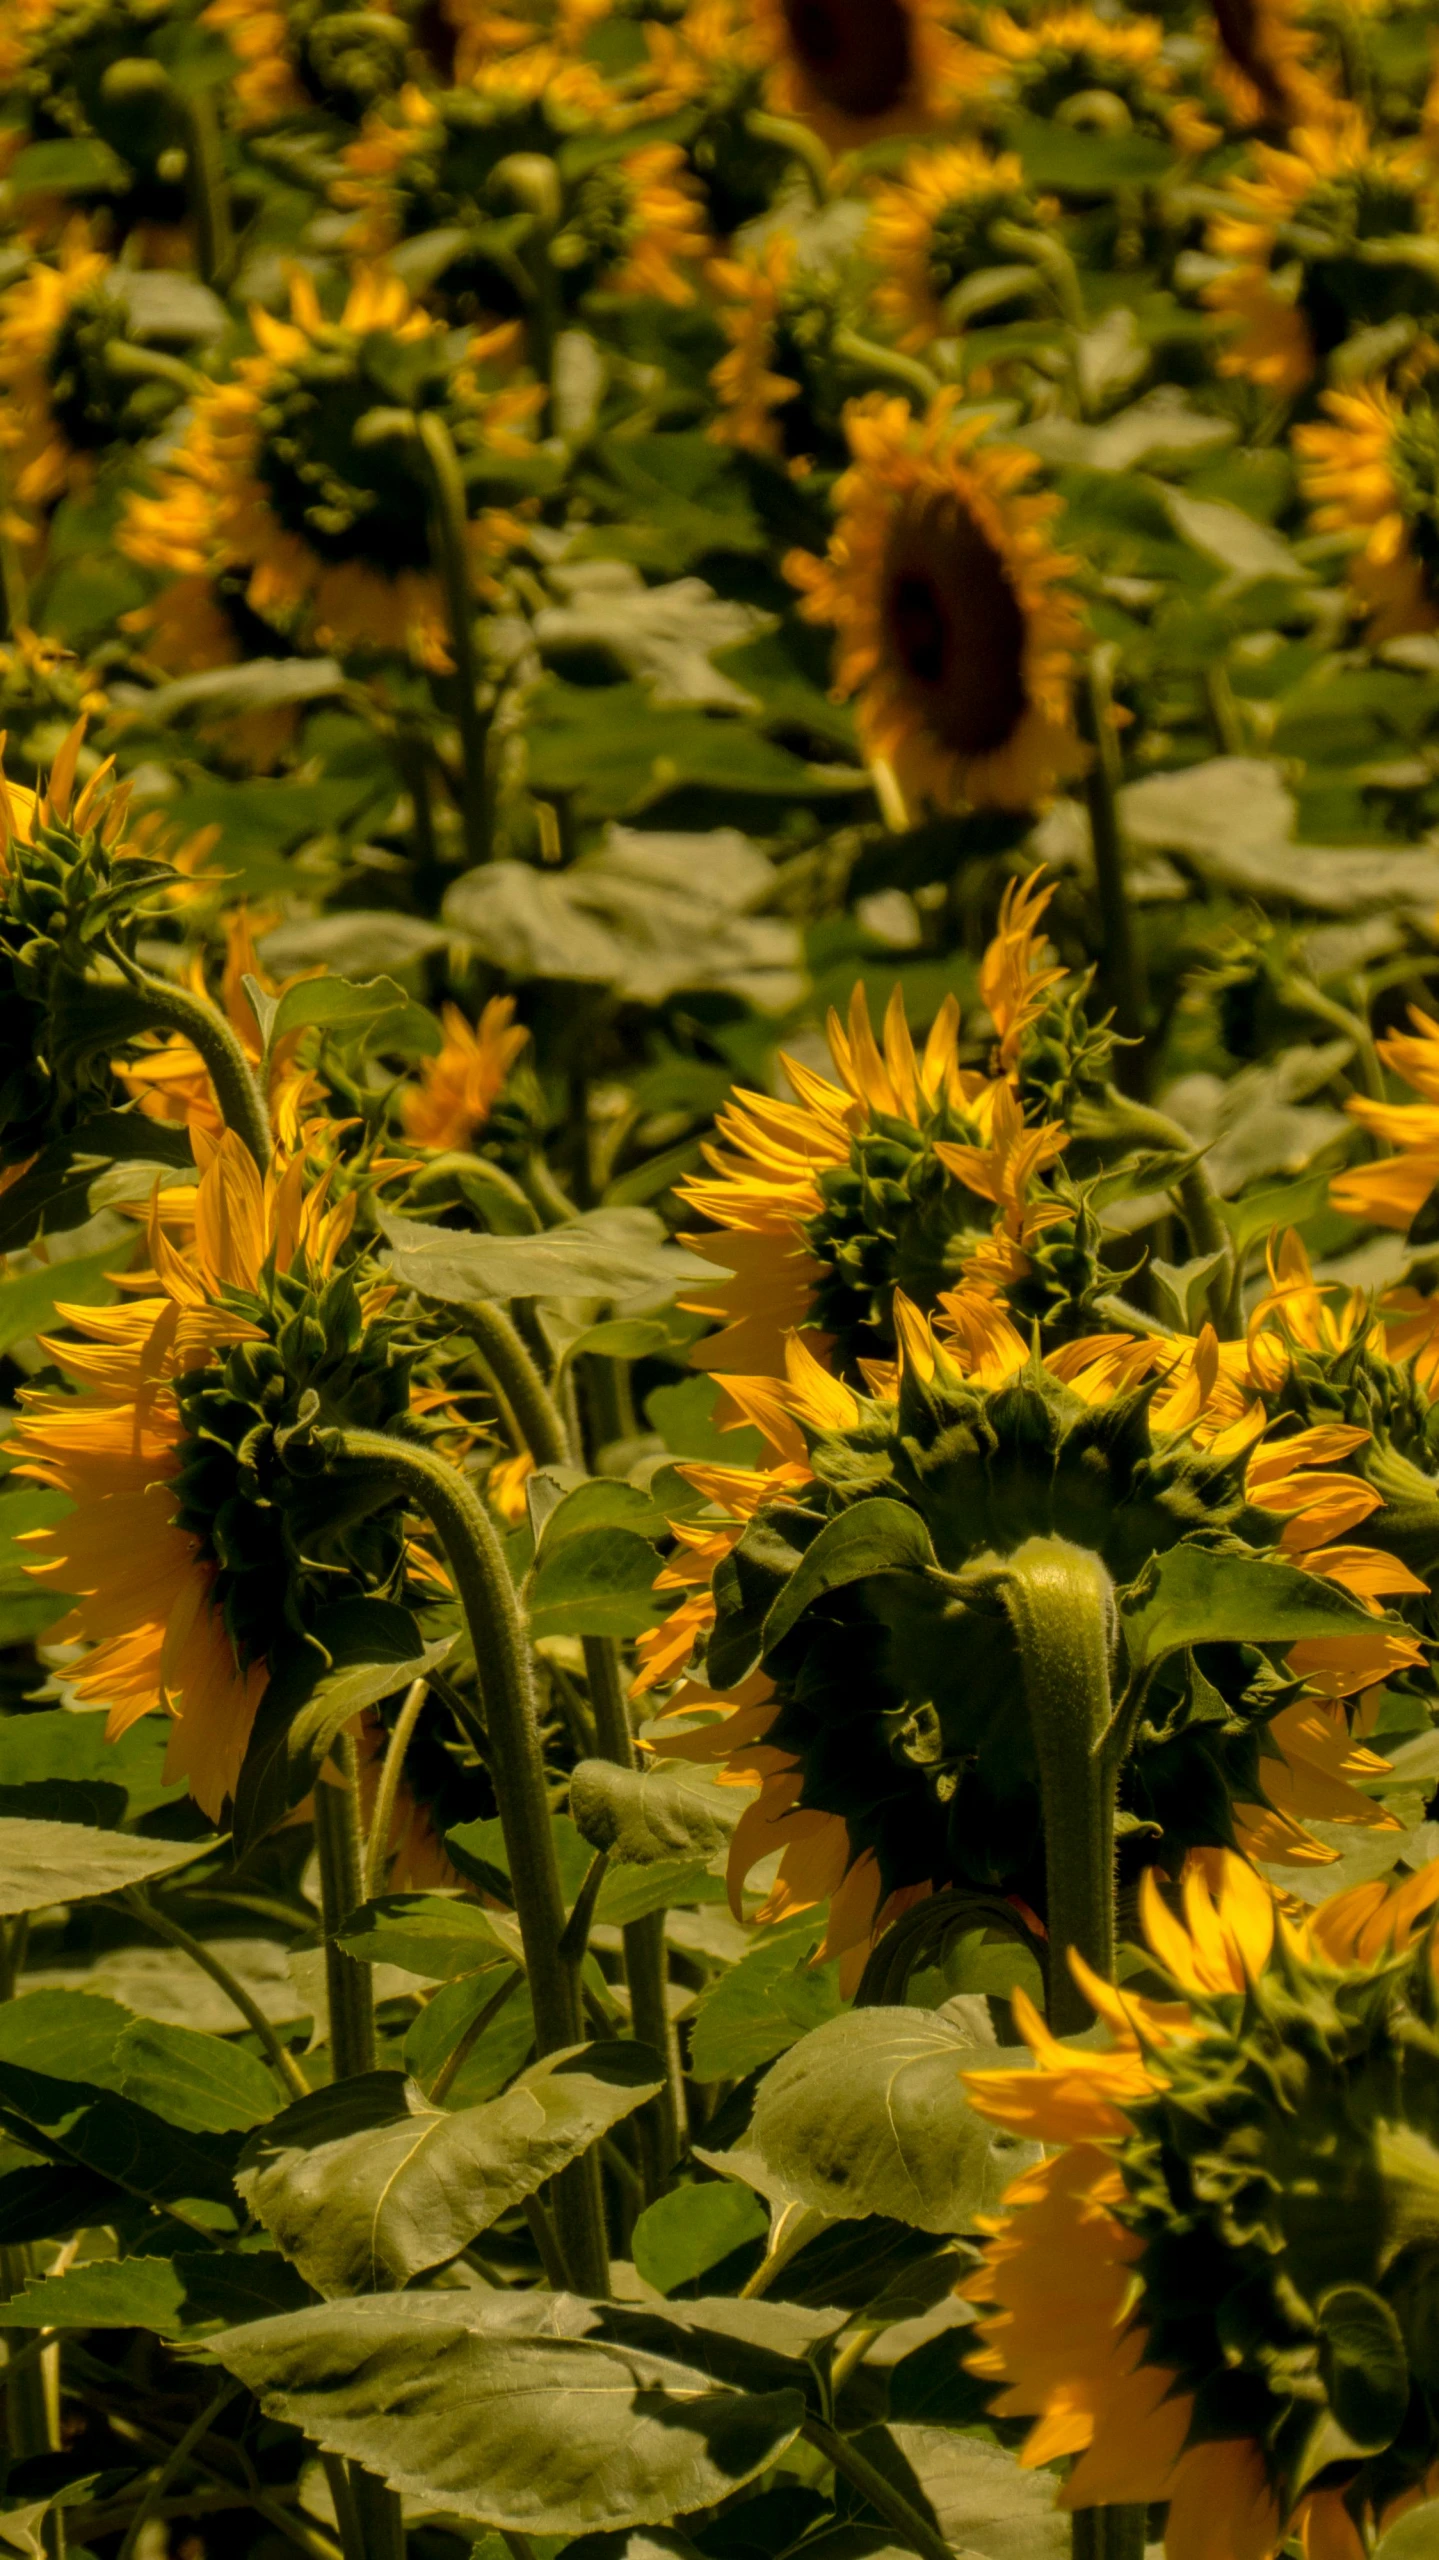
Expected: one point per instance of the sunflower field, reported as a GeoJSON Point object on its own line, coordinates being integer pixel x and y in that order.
{"type": "Point", "coordinates": [719, 1280]}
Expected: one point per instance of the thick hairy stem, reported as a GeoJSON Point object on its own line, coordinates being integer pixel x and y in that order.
{"type": "Point", "coordinates": [451, 538]}
{"type": "Point", "coordinates": [1123, 967]}
{"type": "Point", "coordinates": [339, 1846]}
{"type": "Point", "coordinates": [1060, 1605]}
{"type": "Point", "coordinates": [501, 1347]}
{"type": "Point", "coordinates": [512, 1739]}
{"type": "Point", "coordinates": [242, 1105]}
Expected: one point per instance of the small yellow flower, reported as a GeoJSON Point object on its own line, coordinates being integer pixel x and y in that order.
{"type": "Point", "coordinates": [956, 625]}
{"type": "Point", "coordinates": [1392, 1192]}
{"type": "Point", "coordinates": [457, 1090]}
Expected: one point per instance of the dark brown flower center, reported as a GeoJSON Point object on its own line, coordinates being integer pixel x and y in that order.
{"type": "Point", "coordinates": [859, 54]}
{"type": "Point", "coordinates": [1242, 32]}
{"type": "Point", "coordinates": [955, 625]}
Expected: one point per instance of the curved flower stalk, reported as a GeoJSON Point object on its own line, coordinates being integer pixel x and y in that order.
{"type": "Point", "coordinates": [958, 628]}
{"type": "Point", "coordinates": [192, 1554]}
{"type": "Point", "coordinates": [934, 228]}
{"type": "Point", "coordinates": [1213, 2292]}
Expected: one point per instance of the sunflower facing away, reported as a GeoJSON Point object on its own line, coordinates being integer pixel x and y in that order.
{"type": "Point", "coordinates": [1071, 61]}
{"type": "Point", "coordinates": [64, 401]}
{"type": "Point", "coordinates": [860, 69]}
{"type": "Point", "coordinates": [1291, 302]}
{"type": "Point", "coordinates": [190, 1555]}
{"type": "Point", "coordinates": [933, 229]}
{"type": "Point", "coordinates": [457, 1089]}
{"type": "Point", "coordinates": [1373, 474]}
{"type": "Point", "coordinates": [1216, 2291]}
{"type": "Point", "coordinates": [330, 527]}
{"type": "Point", "coordinates": [955, 624]}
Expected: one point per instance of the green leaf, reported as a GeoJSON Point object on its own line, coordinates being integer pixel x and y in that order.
{"type": "Point", "coordinates": [690, 2230]}
{"type": "Point", "coordinates": [198, 2081]}
{"type": "Point", "coordinates": [337, 1004]}
{"type": "Point", "coordinates": [973, 2492]}
{"type": "Point", "coordinates": [434, 1934]}
{"type": "Point", "coordinates": [48, 1862]}
{"type": "Point", "coordinates": [613, 1254]}
{"type": "Point", "coordinates": [643, 1816]}
{"type": "Point", "coordinates": [1414, 2537]}
{"type": "Point", "coordinates": [765, 2003]}
{"type": "Point", "coordinates": [55, 1743]}
{"type": "Point", "coordinates": [51, 2202]}
{"type": "Point", "coordinates": [867, 2115]}
{"type": "Point", "coordinates": [60, 2076]}
{"type": "Point", "coordinates": [1080, 163]}
{"type": "Point", "coordinates": [183, 2296]}
{"type": "Point", "coordinates": [496, 2056]}
{"type": "Point", "coordinates": [83, 167]}
{"type": "Point", "coordinates": [1198, 1595]}
{"type": "Point", "coordinates": [365, 2185]}
{"type": "Point", "coordinates": [618, 752]}
{"type": "Point", "coordinates": [374, 1650]}
{"type": "Point", "coordinates": [28, 1302]}
{"type": "Point", "coordinates": [454, 2397]}
{"type": "Point", "coordinates": [874, 1536]}
{"type": "Point", "coordinates": [1225, 534]}
{"type": "Point", "coordinates": [598, 1583]}
{"type": "Point", "coordinates": [593, 1502]}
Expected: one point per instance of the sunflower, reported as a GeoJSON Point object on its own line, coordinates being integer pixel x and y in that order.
{"type": "Point", "coordinates": [1213, 2293]}
{"type": "Point", "coordinates": [190, 1556]}
{"type": "Point", "coordinates": [274, 480]}
{"type": "Point", "coordinates": [885, 1727]}
{"type": "Point", "coordinates": [1304, 258]}
{"type": "Point", "coordinates": [457, 1089]}
{"type": "Point", "coordinates": [1373, 475]}
{"type": "Point", "coordinates": [1070, 57]}
{"type": "Point", "coordinates": [65, 401]}
{"type": "Point", "coordinates": [933, 229]}
{"type": "Point", "coordinates": [860, 69]}
{"type": "Point", "coordinates": [956, 625]}
{"type": "Point", "coordinates": [825, 1203]}
{"type": "Point", "coordinates": [1392, 1192]}
{"type": "Point", "coordinates": [169, 1079]}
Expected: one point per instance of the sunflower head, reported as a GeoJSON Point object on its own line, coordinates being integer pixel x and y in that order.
{"type": "Point", "coordinates": [97, 69]}
{"type": "Point", "coordinates": [861, 69]}
{"type": "Point", "coordinates": [780, 386]}
{"type": "Point", "coordinates": [44, 689]}
{"type": "Point", "coordinates": [1071, 65]}
{"type": "Point", "coordinates": [1254, 2172]}
{"type": "Point", "coordinates": [1372, 472]}
{"type": "Point", "coordinates": [74, 889]}
{"type": "Point", "coordinates": [935, 229]}
{"type": "Point", "coordinates": [956, 625]}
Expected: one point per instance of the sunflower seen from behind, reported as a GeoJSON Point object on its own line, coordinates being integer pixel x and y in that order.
{"type": "Point", "coordinates": [934, 229]}
{"type": "Point", "coordinates": [192, 1554]}
{"type": "Point", "coordinates": [1216, 2291]}
{"type": "Point", "coordinates": [957, 625]}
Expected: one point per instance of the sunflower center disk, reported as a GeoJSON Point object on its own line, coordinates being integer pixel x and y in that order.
{"type": "Point", "coordinates": [954, 622]}
{"type": "Point", "coordinates": [858, 53]}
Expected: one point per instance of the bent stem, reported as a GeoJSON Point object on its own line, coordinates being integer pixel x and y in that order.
{"type": "Point", "coordinates": [340, 1849]}
{"type": "Point", "coordinates": [242, 1105]}
{"type": "Point", "coordinates": [512, 1740]}
{"type": "Point", "coordinates": [1061, 1607]}
{"type": "Point", "coordinates": [451, 539]}
{"type": "Point", "coordinates": [205, 1957]}
{"type": "Point", "coordinates": [498, 1341]}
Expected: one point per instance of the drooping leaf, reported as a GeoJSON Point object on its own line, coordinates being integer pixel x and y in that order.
{"type": "Point", "coordinates": [46, 1862]}
{"type": "Point", "coordinates": [61, 2077]}
{"type": "Point", "coordinates": [374, 1649]}
{"type": "Point", "coordinates": [874, 1536]}
{"type": "Point", "coordinates": [866, 2114]}
{"type": "Point", "coordinates": [611, 1254]}
{"type": "Point", "coordinates": [642, 1816]}
{"type": "Point", "coordinates": [366, 2184]}
{"type": "Point", "coordinates": [1195, 1595]}
{"type": "Point", "coordinates": [532, 2430]}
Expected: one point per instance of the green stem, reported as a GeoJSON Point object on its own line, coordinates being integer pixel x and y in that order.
{"type": "Point", "coordinates": [502, 1349]}
{"type": "Point", "coordinates": [1060, 1604]}
{"type": "Point", "coordinates": [800, 140]}
{"type": "Point", "coordinates": [454, 2062]}
{"type": "Point", "coordinates": [1199, 1202]}
{"type": "Point", "coordinates": [487, 1596]}
{"type": "Point", "coordinates": [1123, 965]}
{"type": "Point", "coordinates": [661, 2125]}
{"type": "Point", "coordinates": [913, 2529]}
{"type": "Point", "coordinates": [342, 1889]}
{"type": "Point", "coordinates": [242, 1105]}
{"type": "Point", "coordinates": [543, 1191]}
{"type": "Point", "coordinates": [29, 2412]}
{"type": "Point", "coordinates": [886, 364]}
{"type": "Point", "coordinates": [1042, 250]}
{"type": "Point", "coordinates": [1109, 2533]}
{"type": "Point", "coordinates": [1307, 998]}
{"type": "Point", "coordinates": [209, 193]}
{"type": "Point", "coordinates": [451, 522]}
{"type": "Point", "coordinates": [205, 1957]}
{"type": "Point", "coordinates": [130, 363]}
{"type": "Point", "coordinates": [174, 2464]}
{"type": "Point", "coordinates": [377, 1851]}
